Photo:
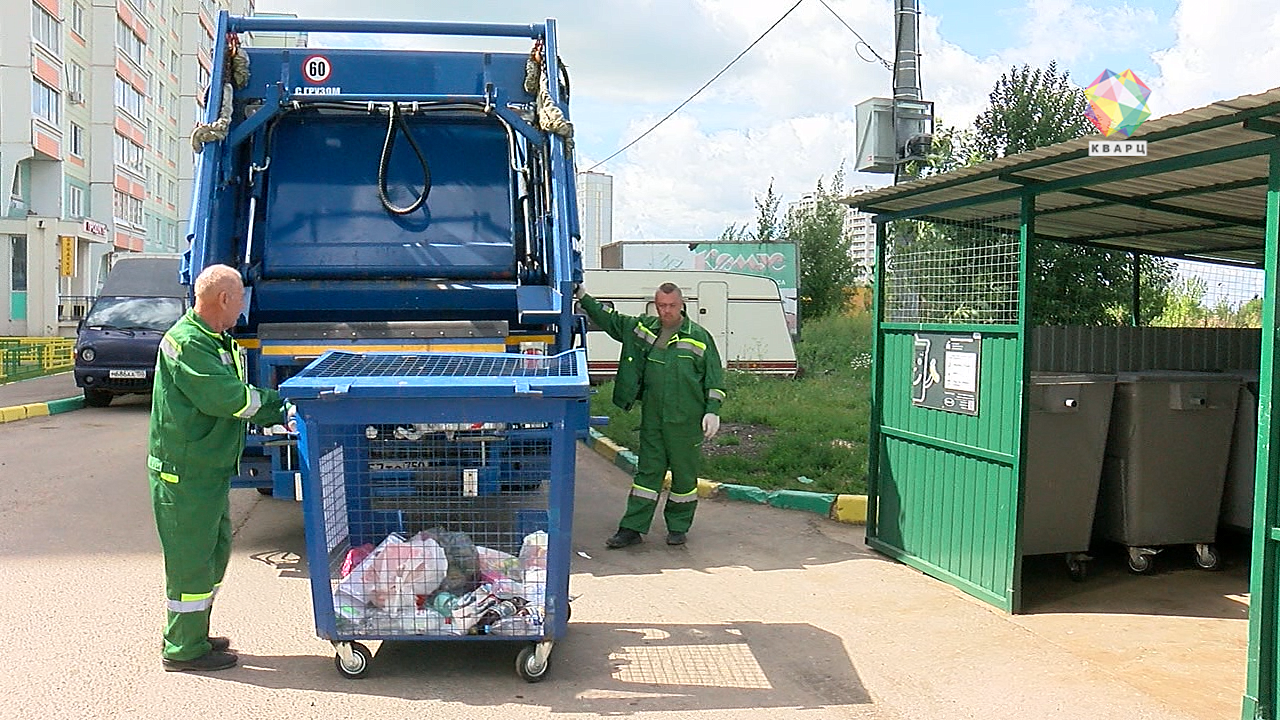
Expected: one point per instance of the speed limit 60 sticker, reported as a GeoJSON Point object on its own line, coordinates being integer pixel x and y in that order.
{"type": "Point", "coordinates": [316, 69]}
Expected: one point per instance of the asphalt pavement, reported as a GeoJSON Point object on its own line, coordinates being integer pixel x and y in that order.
{"type": "Point", "coordinates": [764, 611]}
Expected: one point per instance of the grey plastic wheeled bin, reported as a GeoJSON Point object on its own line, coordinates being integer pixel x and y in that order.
{"type": "Point", "coordinates": [1166, 462]}
{"type": "Point", "coordinates": [1237, 496]}
{"type": "Point", "coordinates": [1066, 438]}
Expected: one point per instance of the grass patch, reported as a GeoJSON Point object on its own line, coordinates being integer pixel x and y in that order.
{"type": "Point", "coordinates": [775, 430]}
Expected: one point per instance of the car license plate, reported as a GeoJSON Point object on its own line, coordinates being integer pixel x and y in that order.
{"type": "Point", "coordinates": [127, 374]}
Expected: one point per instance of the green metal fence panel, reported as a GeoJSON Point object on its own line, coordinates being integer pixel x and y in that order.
{"type": "Point", "coordinates": [946, 461]}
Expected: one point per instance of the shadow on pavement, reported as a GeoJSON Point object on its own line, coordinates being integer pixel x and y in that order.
{"type": "Point", "coordinates": [644, 669]}
{"type": "Point", "coordinates": [1176, 588]}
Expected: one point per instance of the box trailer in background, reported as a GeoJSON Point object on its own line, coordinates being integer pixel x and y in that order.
{"type": "Point", "coordinates": [744, 313]}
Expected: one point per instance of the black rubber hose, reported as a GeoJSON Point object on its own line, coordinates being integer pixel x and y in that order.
{"type": "Point", "coordinates": [394, 120]}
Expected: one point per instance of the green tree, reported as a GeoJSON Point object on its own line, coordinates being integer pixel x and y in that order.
{"type": "Point", "coordinates": [1070, 284]}
{"type": "Point", "coordinates": [827, 272]}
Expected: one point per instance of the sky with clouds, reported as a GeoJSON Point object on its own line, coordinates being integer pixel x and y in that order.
{"type": "Point", "coordinates": [785, 112]}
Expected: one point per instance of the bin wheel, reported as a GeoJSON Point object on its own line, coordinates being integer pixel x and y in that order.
{"type": "Point", "coordinates": [528, 666]}
{"type": "Point", "coordinates": [1076, 566]}
{"type": "Point", "coordinates": [568, 611]}
{"type": "Point", "coordinates": [359, 665]}
{"type": "Point", "coordinates": [1139, 562]}
{"type": "Point", "coordinates": [1207, 557]}
{"type": "Point", "coordinates": [266, 491]}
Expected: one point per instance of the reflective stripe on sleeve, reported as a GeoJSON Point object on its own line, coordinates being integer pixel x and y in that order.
{"type": "Point", "coordinates": [169, 477]}
{"type": "Point", "coordinates": [191, 602]}
{"type": "Point", "coordinates": [169, 349]}
{"type": "Point", "coordinates": [714, 394]}
{"type": "Point", "coordinates": [644, 492]}
{"type": "Point", "coordinates": [252, 403]}
{"type": "Point", "coordinates": [225, 357]}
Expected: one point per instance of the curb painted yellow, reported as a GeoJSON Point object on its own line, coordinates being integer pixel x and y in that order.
{"type": "Point", "coordinates": [37, 409]}
{"type": "Point", "coordinates": [707, 488]}
{"type": "Point", "coordinates": [606, 447]}
{"type": "Point", "coordinates": [12, 413]}
{"type": "Point", "coordinates": [850, 509]}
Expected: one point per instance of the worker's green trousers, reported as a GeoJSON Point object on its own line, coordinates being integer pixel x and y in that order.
{"type": "Point", "coordinates": [665, 446]}
{"type": "Point", "coordinates": [193, 517]}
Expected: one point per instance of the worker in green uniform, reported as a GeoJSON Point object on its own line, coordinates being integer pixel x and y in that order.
{"type": "Point", "coordinates": [199, 407]}
{"type": "Point", "coordinates": [670, 364]}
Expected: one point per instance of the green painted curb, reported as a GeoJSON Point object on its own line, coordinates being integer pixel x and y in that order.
{"type": "Point", "coordinates": [747, 493]}
{"type": "Point", "coordinates": [800, 500]}
{"type": "Point", "coordinates": [820, 503]}
{"type": "Point", "coordinates": [66, 405]}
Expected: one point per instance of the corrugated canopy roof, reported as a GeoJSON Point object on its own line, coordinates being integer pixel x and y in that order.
{"type": "Point", "coordinates": [1199, 193]}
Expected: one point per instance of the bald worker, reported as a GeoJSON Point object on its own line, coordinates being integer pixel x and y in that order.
{"type": "Point", "coordinates": [199, 408]}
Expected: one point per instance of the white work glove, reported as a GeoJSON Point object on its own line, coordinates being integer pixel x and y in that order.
{"type": "Point", "coordinates": [291, 417]}
{"type": "Point", "coordinates": [579, 291]}
{"type": "Point", "coordinates": [710, 425]}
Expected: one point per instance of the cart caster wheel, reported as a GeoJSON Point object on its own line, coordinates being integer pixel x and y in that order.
{"type": "Point", "coordinates": [1207, 557]}
{"type": "Point", "coordinates": [528, 667]}
{"type": "Point", "coordinates": [1139, 561]}
{"type": "Point", "coordinates": [1077, 567]}
{"type": "Point", "coordinates": [568, 611]}
{"type": "Point", "coordinates": [358, 666]}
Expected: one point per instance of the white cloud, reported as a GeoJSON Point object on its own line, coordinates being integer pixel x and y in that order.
{"type": "Point", "coordinates": [1223, 49]}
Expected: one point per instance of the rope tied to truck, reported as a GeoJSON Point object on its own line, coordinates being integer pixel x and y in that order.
{"type": "Point", "coordinates": [548, 115]}
{"type": "Point", "coordinates": [236, 67]}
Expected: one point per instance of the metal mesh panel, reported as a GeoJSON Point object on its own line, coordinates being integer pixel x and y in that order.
{"type": "Point", "coordinates": [343, 364]}
{"type": "Point", "coordinates": [1212, 296]}
{"type": "Point", "coordinates": [436, 529]}
{"type": "Point", "coordinates": [952, 273]}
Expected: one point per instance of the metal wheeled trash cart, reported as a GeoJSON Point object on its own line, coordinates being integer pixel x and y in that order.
{"type": "Point", "coordinates": [438, 497]}
{"type": "Point", "coordinates": [1066, 439]}
{"type": "Point", "coordinates": [1166, 462]}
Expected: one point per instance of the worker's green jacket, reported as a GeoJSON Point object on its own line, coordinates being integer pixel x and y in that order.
{"type": "Point", "coordinates": [699, 374]}
{"type": "Point", "coordinates": [201, 403]}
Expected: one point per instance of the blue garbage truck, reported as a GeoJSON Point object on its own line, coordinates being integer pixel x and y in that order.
{"type": "Point", "coordinates": [405, 223]}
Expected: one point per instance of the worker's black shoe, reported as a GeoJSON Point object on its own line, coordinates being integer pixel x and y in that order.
{"type": "Point", "coordinates": [216, 642]}
{"type": "Point", "coordinates": [623, 538]}
{"type": "Point", "coordinates": [675, 538]}
{"type": "Point", "coordinates": [212, 660]}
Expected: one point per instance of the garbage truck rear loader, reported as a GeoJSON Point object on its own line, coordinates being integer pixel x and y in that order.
{"type": "Point", "coordinates": [386, 201]}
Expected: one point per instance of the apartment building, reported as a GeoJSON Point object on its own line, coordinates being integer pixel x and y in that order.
{"type": "Point", "coordinates": [97, 102]}
{"type": "Point", "coordinates": [595, 214]}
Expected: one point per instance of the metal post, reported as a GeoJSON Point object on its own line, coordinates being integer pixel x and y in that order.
{"type": "Point", "coordinates": [877, 377]}
{"type": "Point", "coordinates": [1260, 687]}
{"type": "Point", "coordinates": [1026, 240]}
{"type": "Point", "coordinates": [1137, 289]}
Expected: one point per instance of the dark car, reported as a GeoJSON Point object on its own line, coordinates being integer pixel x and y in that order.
{"type": "Point", "coordinates": [117, 341]}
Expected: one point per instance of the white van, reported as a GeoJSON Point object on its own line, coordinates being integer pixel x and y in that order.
{"type": "Point", "coordinates": [742, 312]}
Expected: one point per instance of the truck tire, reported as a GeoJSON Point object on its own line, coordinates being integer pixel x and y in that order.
{"type": "Point", "coordinates": [96, 398]}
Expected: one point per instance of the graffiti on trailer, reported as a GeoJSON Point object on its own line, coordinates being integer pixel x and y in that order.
{"type": "Point", "coordinates": [756, 263]}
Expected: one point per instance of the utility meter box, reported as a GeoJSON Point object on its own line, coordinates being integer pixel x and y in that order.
{"type": "Point", "coordinates": [877, 138]}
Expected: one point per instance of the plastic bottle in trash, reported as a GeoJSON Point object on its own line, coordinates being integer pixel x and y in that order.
{"type": "Point", "coordinates": [444, 603]}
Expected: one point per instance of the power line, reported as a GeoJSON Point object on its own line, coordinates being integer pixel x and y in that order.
{"type": "Point", "coordinates": [886, 63]}
{"type": "Point", "coordinates": [704, 86]}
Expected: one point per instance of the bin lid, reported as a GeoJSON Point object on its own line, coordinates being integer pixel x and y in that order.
{"type": "Point", "coordinates": [1175, 376]}
{"type": "Point", "coordinates": [440, 374]}
{"type": "Point", "coordinates": [1063, 378]}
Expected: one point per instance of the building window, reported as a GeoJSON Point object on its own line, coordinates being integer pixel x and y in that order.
{"type": "Point", "coordinates": [46, 29]}
{"type": "Point", "coordinates": [76, 143]}
{"type": "Point", "coordinates": [173, 193]}
{"type": "Point", "coordinates": [75, 79]}
{"type": "Point", "coordinates": [130, 43]}
{"type": "Point", "coordinates": [77, 18]}
{"type": "Point", "coordinates": [129, 154]}
{"type": "Point", "coordinates": [173, 62]}
{"type": "Point", "coordinates": [18, 263]}
{"type": "Point", "coordinates": [128, 209]}
{"type": "Point", "coordinates": [75, 201]}
{"type": "Point", "coordinates": [46, 102]}
{"type": "Point", "coordinates": [128, 98]}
